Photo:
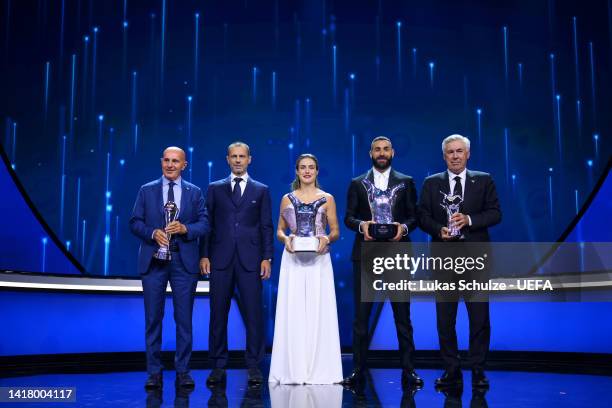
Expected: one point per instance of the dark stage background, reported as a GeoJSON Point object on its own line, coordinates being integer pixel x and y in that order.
{"type": "Point", "coordinates": [94, 90]}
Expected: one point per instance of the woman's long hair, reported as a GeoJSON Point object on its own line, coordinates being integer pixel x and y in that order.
{"type": "Point", "coordinates": [296, 182]}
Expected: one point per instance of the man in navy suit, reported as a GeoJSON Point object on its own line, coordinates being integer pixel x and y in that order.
{"type": "Point", "coordinates": [237, 253]}
{"type": "Point", "coordinates": [147, 223]}
{"type": "Point", "coordinates": [479, 210]}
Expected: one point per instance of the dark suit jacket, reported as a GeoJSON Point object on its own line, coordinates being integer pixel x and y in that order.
{"type": "Point", "coordinates": [148, 215]}
{"type": "Point", "coordinates": [245, 229]}
{"type": "Point", "coordinates": [480, 203]}
{"type": "Point", "coordinates": [358, 208]}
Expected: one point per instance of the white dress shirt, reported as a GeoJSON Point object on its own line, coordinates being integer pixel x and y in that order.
{"type": "Point", "coordinates": [451, 179]}
{"type": "Point", "coordinates": [176, 190]}
{"type": "Point", "coordinates": [242, 184]}
{"type": "Point", "coordinates": [381, 179]}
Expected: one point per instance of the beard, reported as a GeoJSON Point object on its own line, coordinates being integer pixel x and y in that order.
{"type": "Point", "coordinates": [382, 167]}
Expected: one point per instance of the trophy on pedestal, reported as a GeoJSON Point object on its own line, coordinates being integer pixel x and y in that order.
{"type": "Point", "coordinates": [451, 204]}
{"type": "Point", "coordinates": [306, 232]}
{"type": "Point", "coordinates": [381, 206]}
{"type": "Point", "coordinates": [171, 212]}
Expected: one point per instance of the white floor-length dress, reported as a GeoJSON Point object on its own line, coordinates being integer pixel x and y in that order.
{"type": "Point", "coordinates": [306, 347]}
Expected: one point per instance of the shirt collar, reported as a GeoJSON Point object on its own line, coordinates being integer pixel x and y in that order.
{"type": "Point", "coordinates": [384, 174]}
{"type": "Point", "coordinates": [452, 175]}
{"type": "Point", "coordinates": [165, 181]}
{"type": "Point", "coordinates": [244, 177]}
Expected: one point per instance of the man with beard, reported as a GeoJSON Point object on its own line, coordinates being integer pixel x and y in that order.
{"type": "Point", "coordinates": [359, 218]}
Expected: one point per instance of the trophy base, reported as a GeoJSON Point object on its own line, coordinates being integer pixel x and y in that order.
{"type": "Point", "coordinates": [163, 254]}
{"type": "Point", "coordinates": [382, 232]}
{"type": "Point", "coordinates": [305, 244]}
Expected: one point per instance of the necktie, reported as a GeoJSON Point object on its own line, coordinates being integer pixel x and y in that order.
{"type": "Point", "coordinates": [236, 192]}
{"type": "Point", "coordinates": [171, 191]}
{"type": "Point", "coordinates": [458, 191]}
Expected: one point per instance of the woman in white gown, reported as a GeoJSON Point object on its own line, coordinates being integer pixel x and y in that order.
{"type": "Point", "coordinates": [306, 348]}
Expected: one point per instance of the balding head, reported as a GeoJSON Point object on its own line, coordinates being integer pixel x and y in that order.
{"type": "Point", "coordinates": [173, 162]}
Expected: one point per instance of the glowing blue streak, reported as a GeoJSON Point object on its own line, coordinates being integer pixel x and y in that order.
{"type": "Point", "coordinates": [94, 68]}
{"type": "Point", "coordinates": [189, 99]}
{"type": "Point", "coordinates": [592, 63]}
{"type": "Point", "coordinates": [210, 164]}
{"type": "Point", "coordinates": [47, 74]}
{"type": "Point", "coordinates": [78, 211]}
{"type": "Point", "coordinates": [107, 177]}
{"type": "Point", "coordinates": [117, 229]}
{"type": "Point", "coordinates": [507, 153]}
{"type": "Point", "coordinates": [550, 193]}
{"type": "Point", "coordinates": [135, 138]}
{"type": "Point", "coordinates": [72, 87]}
{"type": "Point", "coordinates": [106, 253]}
{"type": "Point", "coordinates": [14, 146]}
{"type": "Point", "coordinates": [43, 264]}
{"type": "Point", "coordinates": [62, 186]}
{"type": "Point", "coordinates": [254, 91]}
{"type": "Point", "coordinates": [431, 74]}
{"type": "Point", "coordinates": [576, 200]}
{"type": "Point", "coordinates": [559, 138]}
{"type": "Point", "coordinates": [190, 161]}
{"type": "Point", "coordinates": [520, 75]}
{"type": "Point", "coordinates": [579, 118]}
{"type": "Point", "coordinates": [334, 79]}
{"type": "Point", "coordinates": [353, 155]}
{"type": "Point", "coordinates": [83, 236]}
{"type": "Point", "coordinates": [399, 52]}
{"type": "Point", "coordinates": [100, 123]}
{"type": "Point", "coordinates": [553, 86]}
{"type": "Point", "coordinates": [576, 65]}
{"type": "Point", "coordinates": [352, 82]}
{"type": "Point", "coordinates": [414, 63]}
{"type": "Point", "coordinates": [596, 141]}
{"type": "Point", "coordinates": [505, 29]}
{"type": "Point", "coordinates": [478, 124]}
{"type": "Point", "coordinates": [274, 91]}
{"type": "Point", "coordinates": [163, 41]}
{"type": "Point", "coordinates": [196, 52]}
{"type": "Point", "coordinates": [85, 72]}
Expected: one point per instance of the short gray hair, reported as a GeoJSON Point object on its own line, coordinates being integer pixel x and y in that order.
{"type": "Point", "coordinates": [454, 138]}
{"type": "Point", "coordinates": [239, 144]}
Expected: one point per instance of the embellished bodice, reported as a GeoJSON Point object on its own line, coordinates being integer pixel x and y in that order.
{"type": "Point", "coordinates": [305, 219]}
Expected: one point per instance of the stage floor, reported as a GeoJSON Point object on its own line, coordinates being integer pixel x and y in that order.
{"type": "Point", "coordinates": [508, 389]}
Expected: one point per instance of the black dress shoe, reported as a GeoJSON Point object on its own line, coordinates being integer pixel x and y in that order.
{"type": "Point", "coordinates": [479, 379]}
{"type": "Point", "coordinates": [154, 382]}
{"type": "Point", "coordinates": [216, 377]}
{"type": "Point", "coordinates": [356, 378]}
{"type": "Point", "coordinates": [255, 376]}
{"type": "Point", "coordinates": [411, 379]}
{"type": "Point", "coordinates": [450, 379]}
{"type": "Point", "coordinates": [184, 380]}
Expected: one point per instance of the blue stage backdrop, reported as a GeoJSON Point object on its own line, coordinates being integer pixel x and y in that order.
{"type": "Point", "coordinates": [94, 90]}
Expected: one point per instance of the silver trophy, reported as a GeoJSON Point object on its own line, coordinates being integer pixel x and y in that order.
{"type": "Point", "coordinates": [451, 204]}
{"type": "Point", "coordinates": [171, 212]}
{"type": "Point", "coordinates": [381, 206]}
{"type": "Point", "coordinates": [306, 231]}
